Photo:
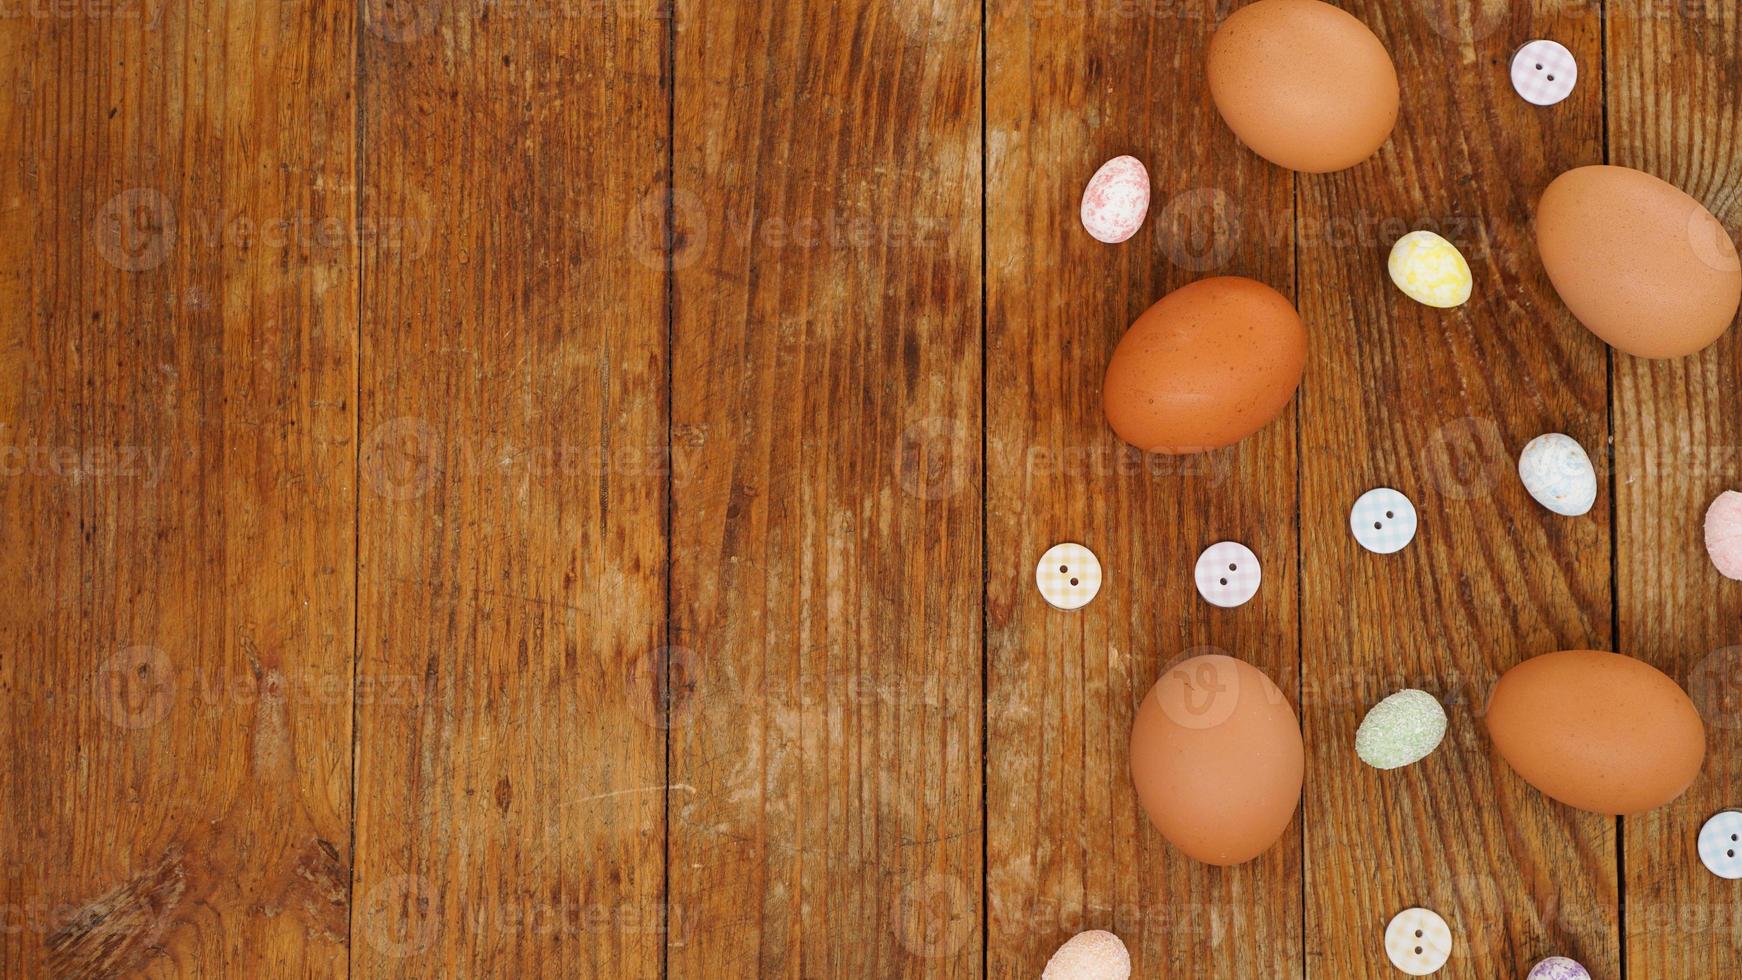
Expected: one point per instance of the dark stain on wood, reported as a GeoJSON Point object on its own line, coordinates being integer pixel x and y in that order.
{"type": "Point", "coordinates": [120, 930]}
{"type": "Point", "coordinates": [319, 889]}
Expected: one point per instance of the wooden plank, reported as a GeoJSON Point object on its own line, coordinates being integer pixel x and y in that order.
{"type": "Point", "coordinates": [825, 806]}
{"type": "Point", "coordinates": [1068, 87]}
{"type": "Point", "coordinates": [1673, 77]}
{"type": "Point", "coordinates": [176, 440]}
{"type": "Point", "coordinates": [510, 759]}
{"type": "Point", "coordinates": [1438, 404]}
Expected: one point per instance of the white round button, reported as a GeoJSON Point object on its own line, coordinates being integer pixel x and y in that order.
{"type": "Point", "coordinates": [1721, 844]}
{"type": "Point", "coordinates": [1228, 574]}
{"type": "Point", "coordinates": [1544, 72]}
{"type": "Point", "coordinates": [1068, 575]}
{"type": "Point", "coordinates": [1383, 521]}
{"type": "Point", "coordinates": [1418, 941]}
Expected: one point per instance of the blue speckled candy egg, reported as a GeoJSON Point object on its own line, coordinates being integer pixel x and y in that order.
{"type": "Point", "coordinates": [1556, 472]}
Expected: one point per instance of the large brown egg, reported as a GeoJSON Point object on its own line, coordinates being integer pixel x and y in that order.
{"type": "Point", "coordinates": [1597, 731]}
{"type": "Point", "coordinates": [1643, 265]}
{"type": "Point", "coordinates": [1206, 366]}
{"type": "Point", "coordinates": [1217, 759]}
{"type": "Point", "coordinates": [1304, 84]}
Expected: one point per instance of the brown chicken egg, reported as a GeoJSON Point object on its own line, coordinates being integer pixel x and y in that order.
{"type": "Point", "coordinates": [1643, 265]}
{"type": "Point", "coordinates": [1206, 366]}
{"type": "Point", "coordinates": [1304, 84]}
{"type": "Point", "coordinates": [1217, 759]}
{"type": "Point", "coordinates": [1597, 731]}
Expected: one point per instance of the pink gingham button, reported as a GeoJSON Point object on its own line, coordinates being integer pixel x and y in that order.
{"type": "Point", "coordinates": [1228, 574]}
{"type": "Point", "coordinates": [1544, 72]}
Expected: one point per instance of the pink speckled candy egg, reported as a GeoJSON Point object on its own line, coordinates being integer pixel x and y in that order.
{"type": "Point", "coordinates": [1093, 955]}
{"type": "Point", "coordinates": [1558, 968]}
{"type": "Point", "coordinates": [1116, 200]}
{"type": "Point", "coordinates": [1724, 533]}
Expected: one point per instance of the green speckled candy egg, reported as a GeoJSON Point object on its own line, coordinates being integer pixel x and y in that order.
{"type": "Point", "coordinates": [1400, 730]}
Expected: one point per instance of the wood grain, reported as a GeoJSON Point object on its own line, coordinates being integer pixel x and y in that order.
{"type": "Point", "coordinates": [1673, 74]}
{"type": "Point", "coordinates": [1437, 404]}
{"type": "Point", "coordinates": [510, 754]}
{"type": "Point", "coordinates": [587, 433]}
{"type": "Point", "coordinates": [1070, 86]}
{"type": "Point", "coordinates": [176, 419]}
{"type": "Point", "coordinates": [825, 758]}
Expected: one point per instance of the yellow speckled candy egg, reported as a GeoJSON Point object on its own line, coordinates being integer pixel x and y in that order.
{"type": "Point", "coordinates": [1430, 270]}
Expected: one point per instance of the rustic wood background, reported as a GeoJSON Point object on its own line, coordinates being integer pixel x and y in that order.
{"type": "Point", "coordinates": [551, 488]}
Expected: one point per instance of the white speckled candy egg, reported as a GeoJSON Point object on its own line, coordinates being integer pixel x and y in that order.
{"type": "Point", "coordinates": [1558, 474]}
{"type": "Point", "coordinates": [1430, 270]}
{"type": "Point", "coordinates": [1116, 200]}
{"type": "Point", "coordinates": [1724, 534]}
{"type": "Point", "coordinates": [1093, 955]}
{"type": "Point", "coordinates": [1558, 968]}
{"type": "Point", "coordinates": [1401, 730]}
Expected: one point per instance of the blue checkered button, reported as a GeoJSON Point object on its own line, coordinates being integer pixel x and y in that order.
{"type": "Point", "coordinates": [1721, 844]}
{"type": "Point", "coordinates": [1383, 521]}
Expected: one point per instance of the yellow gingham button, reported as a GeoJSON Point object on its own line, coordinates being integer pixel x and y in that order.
{"type": "Point", "coordinates": [1068, 575]}
{"type": "Point", "coordinates": [1418, 941]}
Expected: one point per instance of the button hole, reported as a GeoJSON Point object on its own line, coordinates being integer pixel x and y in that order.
{"type": "Point", "coordinates": [1073, 581]}
{"type": "Point", "coordinates": [1063, 569]}
{"type": "Point", "coordinates": [1551, 78]}
{"type": "Point", "coordinates": [1224, 581]}
{"type": "Point", "coordinates": [1233, 568]}
{"type": "Point", "coordinates": [1389, 514]}
{"type": "Point", "coordinates": [1730, 854]}
{"type": "Point", "coordinates": [1539, 68]}
{"type": "Point", "coordinates": [1418, 936]}
{"type": "Point", "coordinates": [1378, 526]}
{"type": "Point", "coordinates": [1418, 951]}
